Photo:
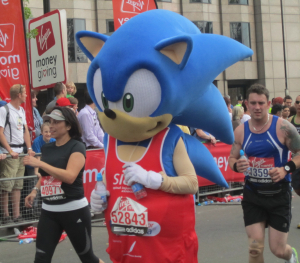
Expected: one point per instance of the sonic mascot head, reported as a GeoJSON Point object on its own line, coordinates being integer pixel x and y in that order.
{"type": "Point", "coordinates": [154, 72]}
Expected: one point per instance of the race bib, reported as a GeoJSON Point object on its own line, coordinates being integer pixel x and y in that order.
{"type": "Point", "coordinates": [129, 217]}
{"type": "Point", "coordinates": [259, 169]}
{"type": "Point", "coordinates": [51, 188]}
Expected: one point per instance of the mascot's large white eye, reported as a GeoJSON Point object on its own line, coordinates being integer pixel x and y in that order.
{"type": "Point", "coordinates": [142, 94]}
{"type": "Point", "coordinates": [98, 90]}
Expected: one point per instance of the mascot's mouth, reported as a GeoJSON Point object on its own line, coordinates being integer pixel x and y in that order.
{"type": "Point", "coordinates": [157, 125]}
{"type": "Point", "coordinates": [132, 129]}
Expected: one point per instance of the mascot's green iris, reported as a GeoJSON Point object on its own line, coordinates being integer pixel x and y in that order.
{"type": "Point", "coordinates": [104, 101]}
{"type": "Point", "coordinates": [128, 102]}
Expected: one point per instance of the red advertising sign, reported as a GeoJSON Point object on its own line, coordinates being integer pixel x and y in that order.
{"type": "Point", "coordinates": [94, 164]}
{"type": "Point", "coordinates": [221, 153]}
{"type": "Point", "coordinates": [126, 9]}
{"type": "Point", "coordinates": [13, 58]}
{"type": "Point", "coordinates": [47, 52]}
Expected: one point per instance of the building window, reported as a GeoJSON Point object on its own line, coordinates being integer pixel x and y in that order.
{"type": "Point", "coordinates": [238, 2]}
{"type": "Point", "coordinates": [110, 26]}
{"type": "Point", "coordinates": [241, 33]}
{"type": "Point", "coordinates": [205, 27]}
{"type": "Point", "coordinates": [75, 54]}
{"type": "Point", "coordinates": [170, 1]}
{"type": "Point", "coordinates": [201, 1]}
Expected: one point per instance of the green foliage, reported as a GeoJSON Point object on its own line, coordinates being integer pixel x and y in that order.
{"type": "Point", "coordinates": [27, 14]}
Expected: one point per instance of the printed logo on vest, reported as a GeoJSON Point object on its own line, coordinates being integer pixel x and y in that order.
{"type": "Point", "coordinates": [45, 38]}
{"type": "Point", "coordinates": [130, 250]}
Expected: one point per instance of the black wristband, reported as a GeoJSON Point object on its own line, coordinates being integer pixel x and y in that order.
{"type": "Point", "coordinates": [234, 168]}
{"type": "Point", "coordinates": [291, 165]}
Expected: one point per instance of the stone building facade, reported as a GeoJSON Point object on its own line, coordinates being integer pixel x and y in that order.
{"type": "Point", "coordinates": [271, 28]}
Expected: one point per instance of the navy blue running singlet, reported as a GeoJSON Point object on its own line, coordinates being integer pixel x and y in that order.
{"type": "Point", "coordinates": [265, 152]}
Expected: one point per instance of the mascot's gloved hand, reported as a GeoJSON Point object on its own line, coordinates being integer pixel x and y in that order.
{"type": "Point", "coordinates": [136, 174]}
{"type": "Point", "coordinates": [97, 202]}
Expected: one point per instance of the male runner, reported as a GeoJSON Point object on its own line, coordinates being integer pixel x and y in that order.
{"type": "Point", "coordinates": [266, 140]}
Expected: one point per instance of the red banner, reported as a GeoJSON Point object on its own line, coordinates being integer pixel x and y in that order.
{"type": "Point", "coordinates": [94, 164]}
{"type": "Point", "coordinates": [13, 57]}
{"type": "Point", "coordinates": [126, 9]}
{"type": "Point", "coordinates": [221, 153]}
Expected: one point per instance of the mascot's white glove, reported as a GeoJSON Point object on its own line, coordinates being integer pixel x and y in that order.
{"type": "Point", "coordinates": [136, 174]}
{"type": "Point", "coordinates": [97, 202]}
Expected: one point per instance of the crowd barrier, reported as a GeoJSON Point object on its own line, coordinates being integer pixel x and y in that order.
{"type": "Point", "coordinates": [95, 163]}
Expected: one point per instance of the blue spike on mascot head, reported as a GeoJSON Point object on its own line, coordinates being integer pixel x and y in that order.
{"type": "Point", "coordinates": [158, 69]}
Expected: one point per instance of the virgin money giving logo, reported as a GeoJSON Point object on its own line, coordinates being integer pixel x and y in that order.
{"type": "Point", "coordinates": [134, 6]}
{"type": "Point", "coordinates": [7, 34]}
{"type": "Point", "coordinates": [45, 38]}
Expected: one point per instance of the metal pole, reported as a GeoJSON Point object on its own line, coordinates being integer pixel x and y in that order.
{"type": "Point", "coordinates": [284, 56]}
{"type": "Point", "coordinates": [50, 93]}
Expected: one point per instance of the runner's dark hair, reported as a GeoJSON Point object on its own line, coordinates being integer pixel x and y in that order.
{"type": "Point", "coordinates": [71, 119]}
{"type": "Point", "coordinates": [258, 89]}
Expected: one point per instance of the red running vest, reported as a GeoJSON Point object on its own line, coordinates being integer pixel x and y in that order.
{"type": "Point", "coordinates": [171, 235]}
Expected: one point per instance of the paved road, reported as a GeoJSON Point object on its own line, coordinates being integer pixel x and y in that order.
{"type": "Point", "coordinates": [219, 228]}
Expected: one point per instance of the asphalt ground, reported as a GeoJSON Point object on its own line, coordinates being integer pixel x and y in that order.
{"type": "Point", "coordinates": [220, 231]}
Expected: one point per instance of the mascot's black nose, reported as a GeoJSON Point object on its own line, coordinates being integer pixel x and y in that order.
{"type": "Point", "coordinates": [110, 114]}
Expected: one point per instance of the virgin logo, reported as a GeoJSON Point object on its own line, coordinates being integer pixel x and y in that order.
{"type": "Point", "coordinates": [134, 6]}
{"type": "Point", "coordinates": [7, 33]}
{"type": "Point", "coordinates": [45, 38]}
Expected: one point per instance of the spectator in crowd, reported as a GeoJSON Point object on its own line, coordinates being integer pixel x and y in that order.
{"type": "Point", "coordinates": [240, 100]}
{"type": "Point", "coordinates": [74, 102]}
{"type": "Point", "coordinates": [71, 89]}
{"type": "Point", "coordinates": [64, 102]}
{"type": "Point", "coordinates": [44, 138]}
{"type": "Point", "coordinates": [246, 115]}
{"type": "Point", "coordinates": [13, 135]}
{"type": "Point", "coordinates": [237, 114]}
{"type": "Point", "coordinates": [295, 119]}
{"type": "Point", "coordinates": [61, 167]}
{"type": "Point", "coordinates": [38, 121]}
{"type": "Point", "coordinates": [203, 136]}
{"type": "Point", "coordinates": [293, 111]}
{"type": "Point", "coordinates": [228, 104]}
{"type": "Point", "coordinates": [277, 110]}
{"type": "Point", "coordinates": [227, 96]}
{"type": "Point", "coordinates": [60, 91]}
{"type": "Point", "coordinates": [288, 101]}
{"type": "Point", "coordinates": [285, 112]}
{"type": "Point", "coordinates": [277, 100]}
{"type": "Point", "coordinates": [2, 156]}
{"type": "Point", "coordinates": [92, 134]}
{"type": "Point", "coordinates": [185, 129]}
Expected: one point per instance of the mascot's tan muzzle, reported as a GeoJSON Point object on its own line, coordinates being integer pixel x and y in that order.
{"type": "Point", "coordinates": [126, 128]}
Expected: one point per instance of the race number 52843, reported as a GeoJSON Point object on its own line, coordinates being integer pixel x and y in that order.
{"type": "Point", "coordinates": [129, 218]}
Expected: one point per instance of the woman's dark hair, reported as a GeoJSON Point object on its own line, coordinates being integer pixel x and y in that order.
{"type": "Point", "coordinates": [87, 98]}
{"type": "Point", "coordinates": [71, 119]}
{"type": "Point", "coordinates": [293, 111]}
{"type": "Point", "coordinates": [227, 101]}
{"type": "Point", "coordinates": [244, 106]}
{"type": "Point", "coordinates": [275, 108]}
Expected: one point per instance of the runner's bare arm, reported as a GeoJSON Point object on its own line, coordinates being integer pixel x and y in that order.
{"type": "Point", "coordinates": [292, 140]}
{"type": "Point", "coordinates": [242, 165]}
{"type": "Point", "coordinates": [186, 182]}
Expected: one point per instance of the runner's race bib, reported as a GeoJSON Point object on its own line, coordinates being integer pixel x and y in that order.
{"type": "Point", "coordinates": [129, 218]}
{"type": "Point", "coordinates": [259, 169]}
{"type": "Point", "coordinates": [51, 188]}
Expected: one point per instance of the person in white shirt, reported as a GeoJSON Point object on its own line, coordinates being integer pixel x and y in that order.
{"type": "Point", "coordinates": [13, 135]}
